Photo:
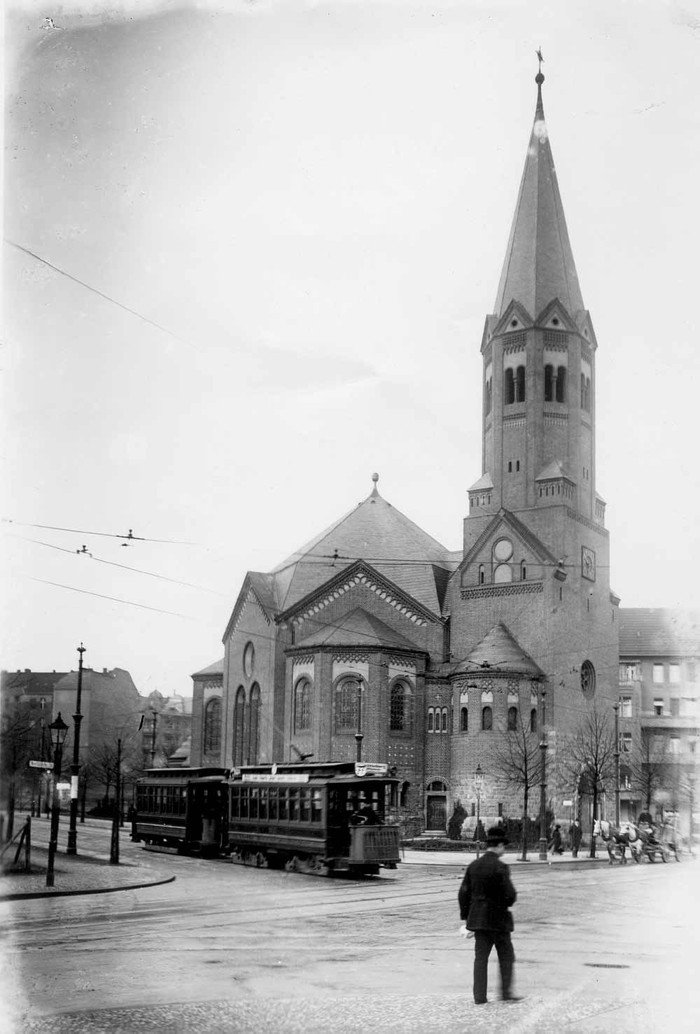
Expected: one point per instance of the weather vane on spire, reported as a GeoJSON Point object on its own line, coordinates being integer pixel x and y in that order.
{"type": "Point", "coordinates": [539, 57]}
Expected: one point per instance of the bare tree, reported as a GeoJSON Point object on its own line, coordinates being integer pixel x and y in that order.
{"type": "Point", "coordinates": [648, 765]}
{"type": "Point", "coordinates": [589, 757]}
{"type": "Point", "coordinates": [518, 758]}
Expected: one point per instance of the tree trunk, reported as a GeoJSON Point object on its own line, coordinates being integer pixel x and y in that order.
{"type": "Point", "coordinates": [595, 816]}
{"type": "Point", "coordinates": [525, 823]}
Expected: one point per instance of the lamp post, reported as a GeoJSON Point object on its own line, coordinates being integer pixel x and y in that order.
{"type": "Point", "coordinates": [75, 766]}
{"type": "Point", "coordinates": [57, 731]}
{"type": "Point", "coordinates": [543, 783]}
{"type": "Point", "coordinates": [478, 784]}
{"type": "Point", "coordinates": [114, 844]}
{"type": "Point", "coordinates": [358, 735]}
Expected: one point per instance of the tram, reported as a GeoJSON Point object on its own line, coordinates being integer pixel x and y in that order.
{"type": "Point", "coordinates": [316, 818]}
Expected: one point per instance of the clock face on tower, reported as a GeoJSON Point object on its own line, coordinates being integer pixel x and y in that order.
{"type": "Point", "coordinates": [588, 563]}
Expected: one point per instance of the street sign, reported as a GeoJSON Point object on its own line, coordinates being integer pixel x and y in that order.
{"type": "Point", "coordinates": [41, 764]}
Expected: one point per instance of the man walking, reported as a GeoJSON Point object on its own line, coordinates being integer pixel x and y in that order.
{"type": "Point", "coordinates": [485, 897]}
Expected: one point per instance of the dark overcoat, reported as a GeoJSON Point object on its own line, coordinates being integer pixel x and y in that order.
{"type": "Point", "coordinates": [486, 894]}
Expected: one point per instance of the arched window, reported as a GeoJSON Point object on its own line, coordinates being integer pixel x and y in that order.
{"type": "Point", "coordinates": [444, 719]}
{"type": "Point", "coordinates": [238, 726]}
{"type": "Point", "coordinates": [345, 711]}
{"type": "Point", "coordinates": [302, 706]}
{"type": "Point", "coordinates": [464, 719]}
{"type": "Point", "coordinates": [503, 573]}
{"type": "Point", "coordinates": [487, 396]}
{"type": "Point", "coordinates": [585, 393]}
{"type": "Point", "coordinates": [481, 574]}
{"type": "Point", "coordinates": [520, 384]}
{"type": "Point", "coordinates": [548, 382]}
{"type": "Point", "coordinates": [588, 679]}
{"type": "Point", "coordinates": [487, 719]}
{"type": "Point", "coordinates": [431, 718]}
{"type": "Point", "coordinates": [399, 708]}
{"type": "Point", "coordinates": [512, 719]}
{"type": "Point", "coordinates": [523, 571]}
{"type": "Point", "coordinates": [212, 726]}
{"type": "Point", "coordinates": [561, 384]}
{"type": "Point", "coordinates": [509, 387]}
{"type": "Point", "coordinates": [533, 720]}
{"type": "Point", "coordinates": [254, 725]}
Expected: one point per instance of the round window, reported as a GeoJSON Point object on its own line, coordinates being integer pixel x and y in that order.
{"type": "Point", "coordinates": [248, 659]}
{"type": "Point", "coordinates": [587, 679]}
{"type": "Point", "coordinates": [503, 550]}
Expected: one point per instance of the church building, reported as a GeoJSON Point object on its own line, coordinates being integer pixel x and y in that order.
{"type": "Point", "coordinates": [374, 640]}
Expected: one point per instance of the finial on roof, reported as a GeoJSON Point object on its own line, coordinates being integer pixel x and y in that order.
{"type": "Point", "coordinates": [539, 79]}
{"type": "Point", "coordinates": [375, 490]}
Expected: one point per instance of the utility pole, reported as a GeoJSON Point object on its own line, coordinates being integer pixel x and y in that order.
{"type": "Point", "coordinates": [358, 734]}
{"type": "Point", "coordinates": [75, 766]}
{"type": "Point", "coordinates": [153, 737]}
{"type": "Point", "coordinates": [114, 845]}
{"type": "Point", "coordinates": [616, 708]}
{"type": "Point", "coordinates": [543, 781]}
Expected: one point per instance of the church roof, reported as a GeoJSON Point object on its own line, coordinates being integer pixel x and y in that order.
{"type": "Point", "coordinates": [358, 628]}
{"type": "Point", "coordinates": [659, 632]}
{"type": "Point", "coordinates": [539, 264]}
{"type": "Point", "coordinates": [217, 668]}
{"type": "Point", "coordinates": [553, 470]}
{"type": "Point", "coordinates": [484, 482]}
{"type": "Point", "coordinates": [499, 651]}
{"type": "Point", "coordinates": [377, 532]}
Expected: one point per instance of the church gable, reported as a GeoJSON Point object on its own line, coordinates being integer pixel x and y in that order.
{"type": "Point", "coordinates": [515, 318]}
{"type": "Point", "coordinates": [254, 593]}
{"type": "Point", "coordinates": [555, 317]}
{"type": "Point", "coordinates": [506, 551]}
{"type": "Point", "coordinates": [358, 628]}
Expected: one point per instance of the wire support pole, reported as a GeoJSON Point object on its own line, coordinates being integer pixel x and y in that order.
{"type": "Point", "coordinates": [72, 847]}
{"type": "Point", "coordinates": [543, 781]}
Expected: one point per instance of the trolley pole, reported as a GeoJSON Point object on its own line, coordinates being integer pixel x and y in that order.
{"type": "Point", "coordinates": [153, 737]}
{"type": "Point", "coordinates": [75, 766]}
{"type": "Point", "coordinates": [114, 845]}
{"type": "Point", "coordinates": [543, 783]}
{"type": "Point", "coordinates": [358, 734]}
{"type": "Point", "coordinates": [616, 708]}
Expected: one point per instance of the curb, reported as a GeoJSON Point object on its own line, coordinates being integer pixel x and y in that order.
{"type": "Point", "coordinates": [75, 893]}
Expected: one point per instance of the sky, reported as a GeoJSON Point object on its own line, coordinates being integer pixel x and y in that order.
{"type": "Point", "coordinates": [248, 253]}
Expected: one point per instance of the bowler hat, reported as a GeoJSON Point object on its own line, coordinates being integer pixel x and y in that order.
{"type": "Point", "coordinates": [496, 835]}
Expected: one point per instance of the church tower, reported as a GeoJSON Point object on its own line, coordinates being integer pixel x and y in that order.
{"type": "Point", "coordinates": [531, 614]}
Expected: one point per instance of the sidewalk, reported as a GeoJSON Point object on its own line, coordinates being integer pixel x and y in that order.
{"type": "Point", "coordinates": [76, 874]}
{"type": "Point", "coordinates": [463, 858]}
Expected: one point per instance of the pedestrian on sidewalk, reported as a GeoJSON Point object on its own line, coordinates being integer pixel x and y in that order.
{"type": "Point", "coordinates": [575, 835]}
{"type": "Point", "coordinates": [485, 897]}
{"type": "Point", "coordinates": [556, 846]}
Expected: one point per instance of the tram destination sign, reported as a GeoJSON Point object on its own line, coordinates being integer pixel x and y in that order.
{"type": "Point", "coordinates": [42, 764]}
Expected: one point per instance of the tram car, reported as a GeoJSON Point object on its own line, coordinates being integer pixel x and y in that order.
{"type": "Point", "coordinates": [182, 808]}
{"type": "Point", "coordinates": [316, 818]}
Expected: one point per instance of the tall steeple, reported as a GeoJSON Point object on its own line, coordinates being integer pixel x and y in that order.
{"type": "Point", "coordinates": [539, 264]}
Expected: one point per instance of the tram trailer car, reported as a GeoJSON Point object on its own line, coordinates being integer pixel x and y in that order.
{"type": "Point", "coordinates": [183, 809]}
{"type": "Point", "coordinates": [316, 818]}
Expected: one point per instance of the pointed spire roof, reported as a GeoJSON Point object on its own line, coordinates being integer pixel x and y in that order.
{"type": "Point", "coordinates": [539, 264]}
{"type": "Point", "coordinates": [499, 651]}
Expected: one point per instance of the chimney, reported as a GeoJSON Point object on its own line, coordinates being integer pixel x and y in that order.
{"type": "Point", "coordinates": [27, 671]}
{"type": "Point", "coordinates": [104, 671]}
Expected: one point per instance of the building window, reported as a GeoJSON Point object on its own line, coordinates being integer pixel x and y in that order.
{"type": "Point", "coordinates": [657, 675]}
{"type": "Point", "coordinates": [587, 679]}
{"type": "Point", "coordinates": [585, 393]}
{"type": "Point", "coordinates": [464, 719]}
{"type": "Point", "coordinates": [487, 719]}
{"type": "Point", "coordinates": [254, 726]}
{"type": "Point", "coordinates": [533, 719]}
{"type": "Point", "coordinates": [674, 674]}
{"type": "Point", "coordinates": [561, 384]}
{"type": "Point", "coordinates": [399, 711]}
{"type": "Point", "coordinates": [674, 745]}
{"type": "Point", "coordinates": [445, 719]}
{"type": "Point", "coordinates": [212, 726]}
{"type": "Point", "coordinates": [503, 573]}
{"type": "Point", "coordinates": [488, 396]}
{"type": "Point", "coordinates": [431, 719]}
{"type": "Point", "coordinates": [248, 659]}
{"type": "Point", "coordinates": [302, 706]}
{"type": "Point", "coordinates": [481, 574]}
{"type": "Point", "coordinates": [626, 742]}
{"type": "Point", "coordinates": [512, 719]}
{"type": "Point", "coordinates": [548, 383]}
{"type": "Point", "coordinates": [520, 384]}
{"type": "Point", "coordinates": [675, 703]}
{"type": "Point", "coordinates": [658, 706]}
{"type": "Point", "coordinates": [509, 392]}
{"type": "Point", "coordinates": [345, 710]}
{"type": "Point", "coordinates": [239, 726]}
{"type": "Point", "coordinates": [523, 571]}
{"type": "Point", "coordinates": [625, 707]}
{"type": "Point", "coordinates": [628, 673]}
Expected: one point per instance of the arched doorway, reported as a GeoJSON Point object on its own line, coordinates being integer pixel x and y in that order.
{"type": "Point", "coordinates": [436, 807]}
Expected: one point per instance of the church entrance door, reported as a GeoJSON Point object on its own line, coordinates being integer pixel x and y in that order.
{"type": "Point", "coordinates": [436, 812]}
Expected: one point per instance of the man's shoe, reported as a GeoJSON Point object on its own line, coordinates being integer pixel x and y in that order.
{"type": "Point", "coordinates": [513, 998]}
{"type": "Point", "coordinates": [482, 1001]}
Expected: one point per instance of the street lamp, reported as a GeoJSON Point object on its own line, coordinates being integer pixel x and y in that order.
{"type": "Point", "coordinates": [57, 732]}
{"type": "Point", "coordinates": [359, 735]}
{"type": "Point", "coordinates": [543, 781]}
{"type": "Point", "coordinates": [75, 766]}
{"type": "Point", "coordinates": [478, 783]}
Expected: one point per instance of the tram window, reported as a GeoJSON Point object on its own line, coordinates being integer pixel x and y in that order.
{"type": "Point", "coordinates": [284, 805]}
{"type": "Point", "coordinates": [234, 802]}
{"type": "Point", "coordinates": [254, 800]}
{"type": "Point", "coordinates": [244, 802]}
{"type": "Point", "coordinates": [294, 804]}
{"type": "Point", "coordinates": [263, 803]}
{"type": "Point", "coordinates": [305, 805]}
{"type": "Point", "coordinates": [316, 806]}
{"type": "Point", "coordinates": [273, 803]}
